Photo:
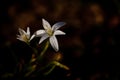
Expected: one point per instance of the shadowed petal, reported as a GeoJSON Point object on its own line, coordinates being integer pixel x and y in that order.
{"type": "Point", "coordinates": [58, 25]}
{"type": "Point", "coordinates": [20, 39]}
{"type": "Point", "coordinates": [18, 36]}
{"type": "Point", "coordinates": [21, 31]}
{"type": "Point", "coordinates": [58, 32]}
{"type": "Point", "coordinates": [46, 24]}
{"type": "Point", "coordinates": [54, 43]}
{"type": "Point", "coordinates": [45, 36]}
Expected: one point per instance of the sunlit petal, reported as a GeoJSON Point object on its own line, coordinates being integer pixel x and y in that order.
{"type": "Point", "coordinates": [54, 43]}
{"type": "Point", "coordinates": [58, 32]}
{"type": "Point", "coordinates": [39, 33]}
{"type": "Point", "coordinates": [44, 37]}
{"type": "Point", "coordinates": [46, 25]}
{"type": "Point", "coordinates": [58, 25]}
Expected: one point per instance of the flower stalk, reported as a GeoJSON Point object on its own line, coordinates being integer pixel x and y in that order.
{"type": "Point", "coordinates": [43, 51]}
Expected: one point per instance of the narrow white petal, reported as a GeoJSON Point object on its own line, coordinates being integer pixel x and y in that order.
{"type": "Point", "coordinates": [21, 31]}
{"type": "Point", "coordinates": [58, 32]}
{"type": "Point", "coordinates": [54, 43]}
{"type": "Point", "coordinates": [32, 37]}
{"type": "Point", "coordinates": [28, 31]}
{"type": "Point", "coordinates": [39, 33]}
{"type": "Point", "coordinates": [45, 36]}
{"type": "Point", "coordinates": [58, 25]}
{"type": "Point", "coordinates": [46, 24]}
{"type": "Point", "coordinates": [20, 39]}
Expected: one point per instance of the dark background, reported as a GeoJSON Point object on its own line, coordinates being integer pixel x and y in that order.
{"type": "Point", "coordinates": [90, 48]}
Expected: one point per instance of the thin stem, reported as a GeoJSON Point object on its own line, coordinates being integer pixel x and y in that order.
{"type": "Point", "coordinates": [42, 68]}
{"type": "Point", "coordinates": [29, 65]}
{"type": "Point", "coordinates": [45, 48]}
{"type": "Point", "coordinates": [35, 51]}
{"type": "Point", "coordinates": [32, 69]}
{"type": "Point", "coordinates": [39, 57]}
{"type": "Point", "coordinates": [33, 48]}
{"type": "Point", "coordinates": [43, 51]}
{"type": "Point", "coordinates": [50, 70]}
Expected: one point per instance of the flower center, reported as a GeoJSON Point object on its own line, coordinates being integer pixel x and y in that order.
{"type": "Point", "coordinates": [49, 32]}
{"type": "Point", "coordinates": [24, 37]}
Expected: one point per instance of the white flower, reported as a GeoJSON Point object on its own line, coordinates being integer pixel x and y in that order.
{"type": "Point", "coordinates": [50, 33]}
{"type": "Point", "coordinates": [24, 36]}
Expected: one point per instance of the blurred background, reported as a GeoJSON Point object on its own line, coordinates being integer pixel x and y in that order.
{"type": "Point", "coordinates": [90, 48]}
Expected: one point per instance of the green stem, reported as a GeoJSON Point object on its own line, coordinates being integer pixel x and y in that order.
{"type": "Point", "coordinates": [43, 51]}
{"type": "Point", "coordinates": [45, 48]}
{"type": "Point", "coordinates": [50, 70]}
{"type": "Point", "coordinates": [39, 57]}
{"type": "Point", "coordinates": [42, 68]}
{"type": "Point", "coordinates": [33, 48]}
{"type": "Point", "coordinates": [35, 51]}
{"type": "Point", "coordinates": [30, 72]}
{"type": "Point", "coordinates": [28, 65]}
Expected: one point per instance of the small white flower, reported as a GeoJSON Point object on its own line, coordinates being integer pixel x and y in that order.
{"type": "Point", "coordinates": [24, 36]}
{"type": "Point", "coordinates": [50, 33]}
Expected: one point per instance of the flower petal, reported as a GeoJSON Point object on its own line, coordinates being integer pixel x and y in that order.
{"type": "Point", "coordinates": [39, 33]}
{"type": "Point", "coordinates": [54, 43]}
{"type": "Point", "coordinates": [32, 37]}
{"type": "Point", "coordinates": [58, 32]}
{"type": "Point", "coordinates": [45, 36]}
{"type": "Point", "coordinates": [21, 31]}
{"type": "Point", "coordinates": [58, 25]}
{"type": "Point", "coordinates": [46, 24]}
{"type": "Point", "coordinates": [28, 30]}
{"type": "Point", "coordinates": [20, 39]}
